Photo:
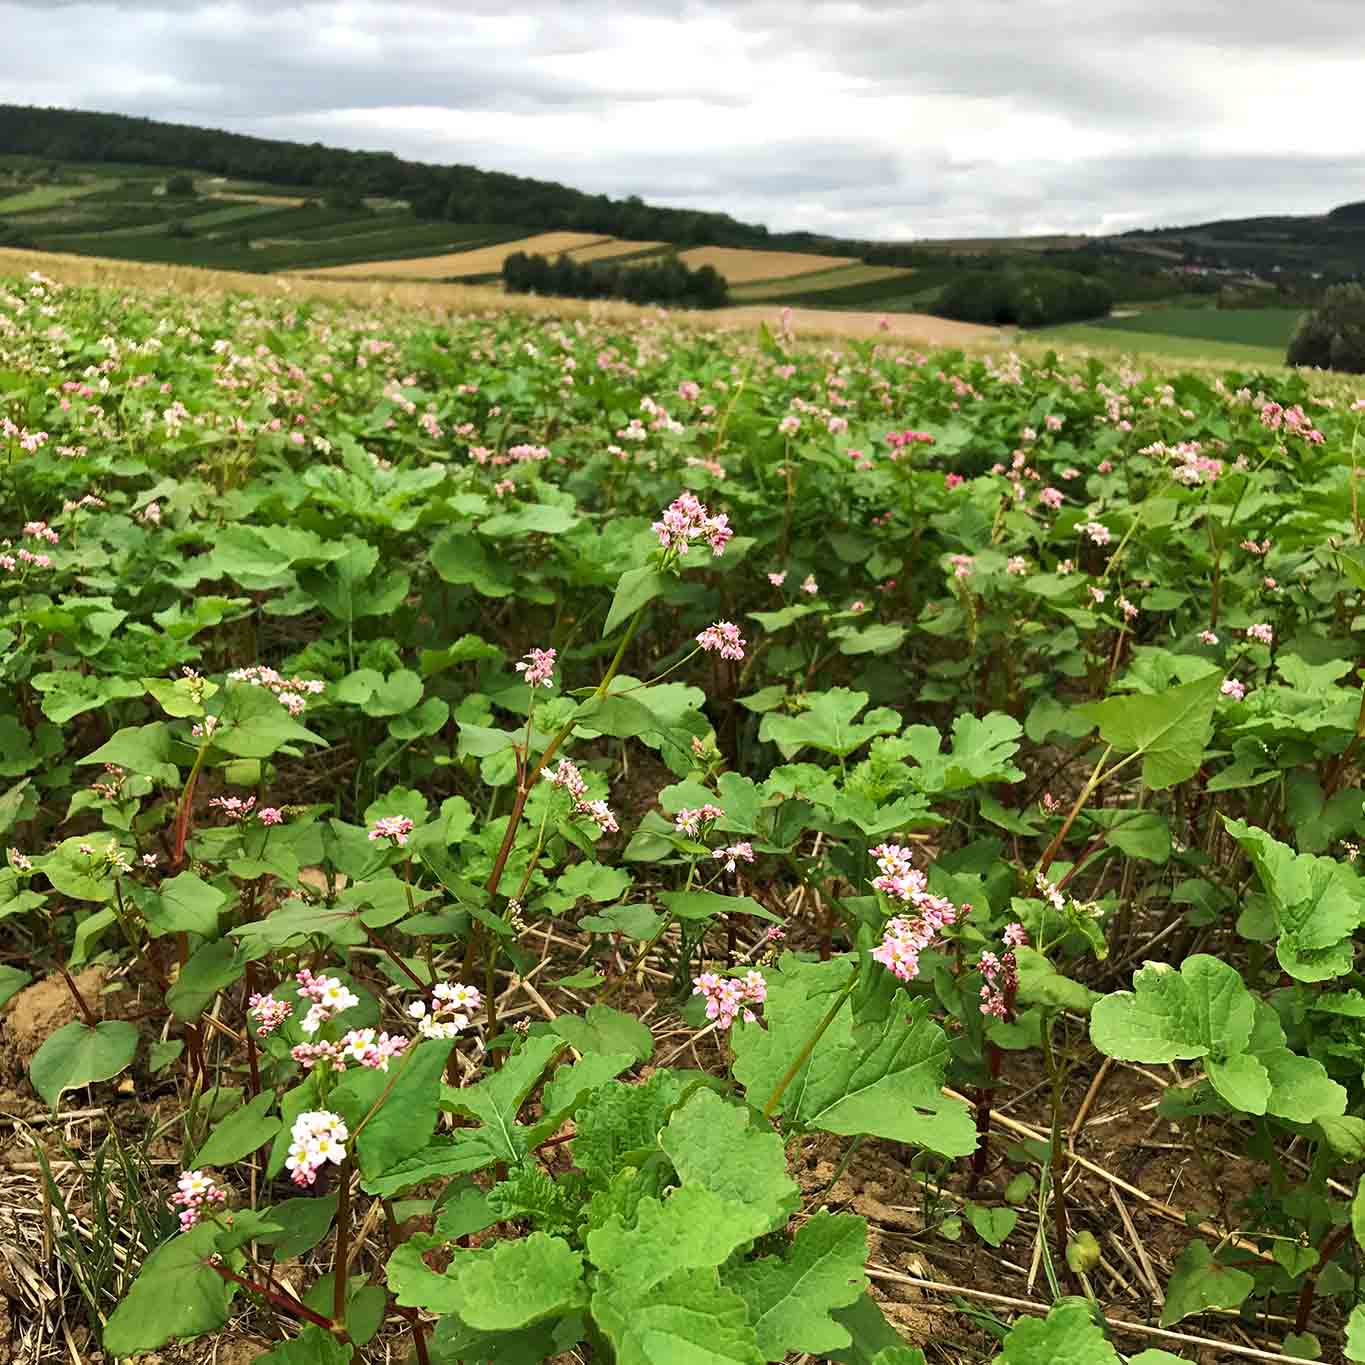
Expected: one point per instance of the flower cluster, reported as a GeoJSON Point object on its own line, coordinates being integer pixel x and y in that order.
{"type": "Point", "coordinates": [723, 637]}
{"type": "Point", "coordinates": [328, 995]}
{"type": "Point", "coordinates": [1261, 632]}
{"type": "Point", "coordinates": [269, 1013]}
{"type": "Point", "coordinates": [567, 776]}
{"type": "Point", "coordinates": [1234, 689]}
{"type": "Point", "coordinates": [1097, 531]}
{"type": "Point", "coordinates": [292, 692]}
{"type": "Point", "coordinates": [1000, 976]}
{"type": "Point", "coordinates": [898, 440]}
{"type": "Point", "coordinates": [234, 807]}
{"type": "Point", "coordinates": [907, 936]}
{"type": "Point", "coordinates": [730, 996]}
{"type": "Point", "coordinates": [195, 1194]}
{"type": "Point", "coordinates": [449, 1010]}
{"type": "Point", "coordinates": [692, 823]}
{"type": "Point", "coordinates": [318, 1136]}
{"type": "Point", "coordinates": [539, 667]}
{"type": "Point", "coordinates": [687, 521]}
{"type": "Point", "coordinates": [392, 827]}
{"type": "Point", "coordinates": [742, 852]}
{"type": "Point", "coordinates": [361, 1045]}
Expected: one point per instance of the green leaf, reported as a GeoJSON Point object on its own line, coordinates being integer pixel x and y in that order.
{"type": "Point", "coordinates": [1203, 1009]}
{"type": "Point", "coordinates": [1171, 729]}
{"type": "Point", "coordinates": [242, 1132]}
{"type": "Point", "coordinates": [142, 749]}
{"type": "Point", "coordinates": [697, 906]}
{"type": "Point", "coordinates": [982, 750]}
{"type": "Point", "coordinates": [992, 1225]}
{"type": "Point", "coordinates": [185, 904]}
{"type": "Point", "coordinates": [68, 694]}
{"type": "Point", "coordinates": [1199, 1282]}
{"type": "Point", "coordinates": [453, 1342]}
{"type": "Point", "coordinates": [830, 725]}
{"type": "Point", "coordinates": [606, 1030]}
{"type": "Point", "coordinates": [176, 1295]}
{"type": "Point", "coordinates": [12, 981]}
{"type": "Point", "coordinates": [462, 558]}
{"type": "Point", "coordinates": [791, 1298]}
{"type": "Point", "coordinates": [1318, 904]}
{"type": "Point", "coordinates": [533, 517]}
{"type": "Point", "coordinates": [884, 1078]}
{"type": "Point", "coordinates": [305, 1222]}
{"type": "Point", "coordinates": [634, 588]}
{"type": "Point", "coordinates": [687, 1320]}
{"type": "Point", "coordinates": [711, 1143]}
{"type": "Point", "coordinates": [211, 968]}
{"type": "Point", "coordinates": [519, 1282]}
{"type": "Point", "coordinates": [874, 1340]}
{"type": "Point", "coordinates": [79, 1055]}
{"type": "Point", "coordinates": [1067, 1336]}
{"type": "Point", "coordinates": [620, 1119]}
{"type": "Point", "coordinates": [1355, 1334]}
{"type": "Point", "coordinates": [496, 1099]}
{"type": "Point", "coordinates": [414, 1284]}
{"type": "Point", "coordinates": [406, 1117]}
{"type": "Point", "coordinates": [313, 1346]}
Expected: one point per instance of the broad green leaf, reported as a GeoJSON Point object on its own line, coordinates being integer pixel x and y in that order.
{"type": "Point", "coordinates": [791, 1297]}
{"type": "Point", "coordinates": [1068, 1335]}
{"type": "Point", "coordinates": [142, 749]}
{"type": "Point", "coordinates": [884, 1079]}
{"type": "Point", "coordinates": [455, 1343]}
{"type": "Point", "coordinates": [711, 1143]}
{"type": "Point", "coordinates": [981, 753]}
{"type": "Point", "coordinates": [79, 1055]}
{"type": "Point", "coordinates": [240, 1133]}
{"type": "Point", "coordinates": [691, 1230]}
{"type": "Point", "coordinates": [830, 725]}
{"type": "Point", "coordinates": [687, 1320]}
{"type": "Point", "coordinates": [185, 904]}
{"type": "Point", "coordinates": [519, 1282]}
{"type": "Point", "coordinates": [1171, 729]}
{"type": "Point", "coordinates": [635, 588]}
{"type": "Point", "coordinates": [874, 1340]}
{"type": "Point", "coordinates": [67, 694]}
{"type": "Point", "coordinates": [496, 1099]}
{"type": "Point", "coordinates": [12, 981]}
{"type": "Point", "coordinates": [211, 968]}
{"type": "Point", "coordinates": [620, 1119]}
{"type": "Point", "coordinates": [312, 1346]}
{"type": "Point", "coordinates": [1355, 1334]}
{"type": "Point", "coordinates": [1202, 1010]}
{"type": "Point", "coordinates": [406, 1117]}
{"type": "Point", "coordinates": [696, 906]}
{"type": "Point", "coordinates": [176, 1295]}
{"type": "Point", "coordinates": [571, 1085]}
{"type": "Point", "coordinates": [1199, 1282]}
{"type": "Point", "coordinates": [304, 1223]}
{"type": "Point", "coordinates": [414, 1284]}
{"type": "Point", "coordinates": [605, 1030]}
{"type": "Point", "coordinates": [1318, 904]}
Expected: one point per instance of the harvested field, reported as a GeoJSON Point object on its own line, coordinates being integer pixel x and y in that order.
{"type": "Point", "coordinates": [615, 246]}
{"type": "Point", "coordinates": [840, 278]}
{"type": "Point", "coordinates": [917, 327]}
{"type": "Point", "coordinates": [740, 265]}
{"type": "Point", "coordinates": [481, 261]}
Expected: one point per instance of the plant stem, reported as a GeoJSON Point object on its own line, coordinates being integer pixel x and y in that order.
{"type": "Point", "coordinates": [339, 1261]}
{"type": "Point", "coordinates": [808, 1047]}
{"type": "Point", "coordinates": [1093, 781]}
{"type": "Point", "coordinates": [1330, 1246]}
{"type": "Point", "coordinates": [290, 1305]}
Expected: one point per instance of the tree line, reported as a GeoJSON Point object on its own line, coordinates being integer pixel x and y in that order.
{"type": "Point", "coordinates": [1028, 296]}
{"type": "Point", "coordinates": [666, 280]}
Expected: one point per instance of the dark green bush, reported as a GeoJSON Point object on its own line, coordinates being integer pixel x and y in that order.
{"type": "Point", "coordinates": [1332, 336]}
{"type": "Point", "coordinates": [662, 281]}
{"type": "Point", "coordinates": [1028, 297]}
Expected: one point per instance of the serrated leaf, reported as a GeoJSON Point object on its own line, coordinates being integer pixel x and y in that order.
{"type": "Point", "coordinates": [791, 1298]}
{"type": "Point", "coordinates": [1067, 1336]}
{"type": "Point", "coordinates": [689, 1318]}
{"type": "Point", "coordinates": [711, 1143]}
{"type": "Point", "coordinates": [604, 1029]}
{"type": "Point", "coordinates": [80, 1055]}
{"type": "Point", "coordinates": [830, 725]}
{"type": "Point", "coordinates": [519, 1282]}
{"type": "Point", "coordinates": [621, 1118]}
{"type": "Point", "coordinates": [312, 1346]}
{"type": "Point", "coordinates": [1170, 729]}
{"type": "Point", "coordinates": [496, 1099]}
{"type": "Point", "coordinates": [1355, 1334]}
{"type": "Point", "coordinates": [1203, 1009]}
{"type": "Point", "coordinates": [884, 1079]}
{"type": "Point", "coordinates": [1199, 1282]}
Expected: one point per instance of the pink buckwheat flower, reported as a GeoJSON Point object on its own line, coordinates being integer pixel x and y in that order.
{"type": "Point", "coordinates": [777, 579]}
{"type": "Point", "coordinates": [1052, 498]}
{"type": "Point", "coordinates": [599, 812]}
{"type": "Point", "coordinates": [693, 822]}
{"type": "Point", "coordinates": [727, 996]}
{"type": "Point", "coordinates": [1097, 531]}
{"type": "Point", "coordinates": [1000, 985]}
{"type": "Point", "coordinates": [1207, 637]}
{"type": "Point", "coordinates": [1261, 632]}
{"type": "Point", "coordinates": [724, 638]}
{"type": "Point", "coordinates": [686, 521]}
{"type": "Point", "coordinates": [539, 667]}
{"type": "Point", "coordinates": [269, 1013]}
{"type": "Point", "coordinates": [1234, 689]}
{"type": "Point", "coordinates": [1016, 565]}
{"type": "Point", "coordinates": [452, 1002]}
{"type": "Point", "coordinates": [196, 1193]}
{"type": "Point", "coordinates": [394, 827]}
{"type": "Point", "coordinates": [809, 585]}
{"type": "Point", "coordinates": [566, 775]}
{"type": "Point", "coordinates": [951, 481]}
{"type": "Point", "coordinates": [962, 565]}
{"type": "Point", "coordinates": [270, 815]}
{"type": "Point", "coordinates": [736, 853]}
{"type": "Point", "coordinates": [328, 995]}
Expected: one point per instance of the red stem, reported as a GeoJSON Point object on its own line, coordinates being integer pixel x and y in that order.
{"type": "Point", "coordinates": [291, 1306]}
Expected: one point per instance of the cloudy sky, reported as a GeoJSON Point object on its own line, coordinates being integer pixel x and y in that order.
{"type": "Point", "coordinates": [875, 118]}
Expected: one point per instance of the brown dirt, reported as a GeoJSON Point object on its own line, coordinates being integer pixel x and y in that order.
{"type": "Point", "coordinates": [38, 1011]}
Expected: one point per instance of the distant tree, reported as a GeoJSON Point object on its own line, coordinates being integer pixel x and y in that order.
{"type": "Point", "coordinates": [1332, 336]}
{"type": "Point", "coordinates": [181, 186]}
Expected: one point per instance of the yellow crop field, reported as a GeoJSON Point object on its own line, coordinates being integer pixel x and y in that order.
{"type": "Point", "coordinates": [614, 246]}
{"type": "Point", "coordinates": [739, 265]}
{"type": "Point", "coordinates": [841, 278]}
{"type": "Point", "coordinates": [484, 260]}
